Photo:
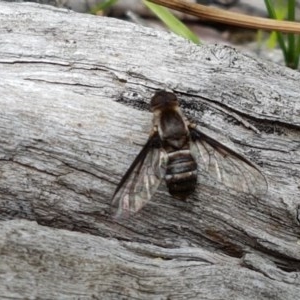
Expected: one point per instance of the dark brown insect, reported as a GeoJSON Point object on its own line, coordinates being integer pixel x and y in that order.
{"type": "Point", "coordinates": [176, 151]}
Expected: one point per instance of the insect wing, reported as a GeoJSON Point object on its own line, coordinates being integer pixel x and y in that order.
{"type": "Point", "coordinates": [140, 181]}
{"type": "Point", "coordinates": [227, 166]}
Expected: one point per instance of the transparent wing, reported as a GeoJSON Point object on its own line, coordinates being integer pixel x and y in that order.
{"type": "Point", "coordinates": [140, 181]}
{"type": "Point", "coordinates": [227, 166]}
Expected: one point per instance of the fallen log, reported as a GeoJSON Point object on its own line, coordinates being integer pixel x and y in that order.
{"type": "Point", "coordinates": [74, 113]}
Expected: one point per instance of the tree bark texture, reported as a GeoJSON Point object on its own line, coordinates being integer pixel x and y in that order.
{"type": "Point", "coordinates": [75, 92]}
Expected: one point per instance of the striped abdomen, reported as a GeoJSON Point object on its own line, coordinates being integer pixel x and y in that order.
{"type": "Point", "coordinates": [181, 173]}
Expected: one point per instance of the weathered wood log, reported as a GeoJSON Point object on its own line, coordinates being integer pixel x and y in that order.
{"type": "Point", "coordinates": [74, 113]}
{"type": "Point", "coordinates": [42, 263]}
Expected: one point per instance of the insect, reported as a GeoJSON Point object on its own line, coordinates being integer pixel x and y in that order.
{"type": "Point", "coordinates": [175, 151]}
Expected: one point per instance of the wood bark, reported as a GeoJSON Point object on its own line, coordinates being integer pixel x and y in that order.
{"type": "Point", "coordinates": [75, 91]}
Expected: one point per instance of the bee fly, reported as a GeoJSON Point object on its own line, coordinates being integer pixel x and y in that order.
{"type": "Point", "coordinates": [175, 151]}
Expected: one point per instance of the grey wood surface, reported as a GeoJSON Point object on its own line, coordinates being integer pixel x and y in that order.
{"type": "Point", "coordinates": [74, 114]}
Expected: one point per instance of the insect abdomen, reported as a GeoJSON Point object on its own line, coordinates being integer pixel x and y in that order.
{"type": "Point", "coordinates": [181, 174]}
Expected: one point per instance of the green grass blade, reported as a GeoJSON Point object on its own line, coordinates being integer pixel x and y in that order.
{"type": "Point", "coordinates": [293, 52]}
{"type": "Point", "coordinates": [272, 14]}
{"type": "Point", "coordinates": [272, 40]}
{"type": "Point", "coordinates": [297, 55]}
{"type": "Point", "coordinates": [102, 6]}
{"type": "Point", "coordinates": [172, 22]}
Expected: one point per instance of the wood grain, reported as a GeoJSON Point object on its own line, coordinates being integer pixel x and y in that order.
{"type": "Point", "coordinates": [74, 113]}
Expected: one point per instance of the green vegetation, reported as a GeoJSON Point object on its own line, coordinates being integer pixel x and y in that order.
{"type": "Point", "coordinates": [290, 43]}
{"type": "Point", "coordinates": [173, 23]}
{"type": "Point", "coordinates": [277, 9]}
{"type": "Point", "coordinates": [103, 6]}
